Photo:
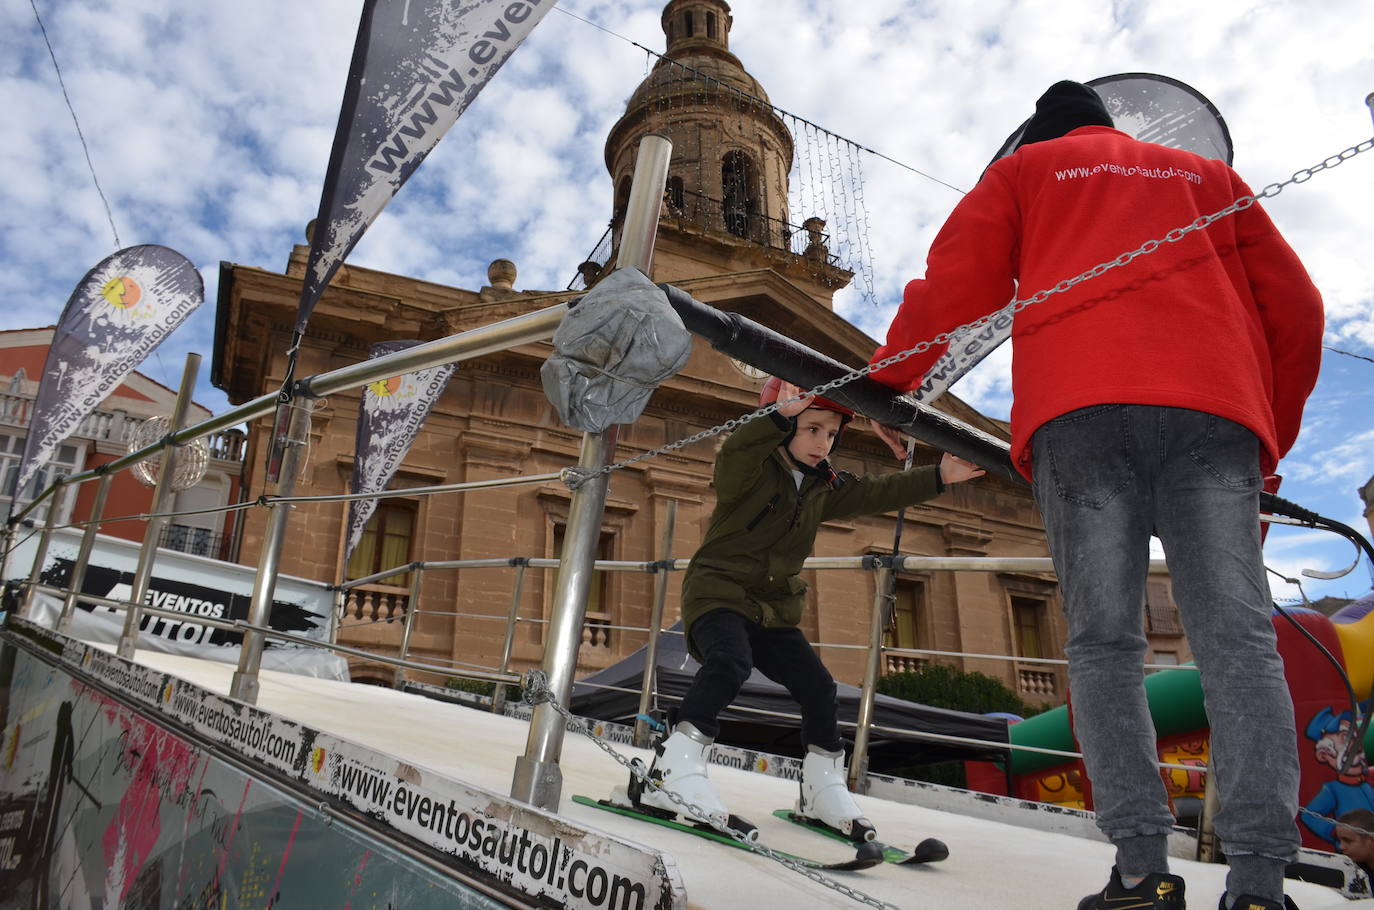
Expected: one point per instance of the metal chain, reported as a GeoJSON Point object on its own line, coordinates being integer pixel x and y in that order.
{"type": "Point", "coordinates": [1303, 810]}
{"type": "Point", "coordinates": [536, 691]}
{"type": "Point", "coordinates": [578, 476]}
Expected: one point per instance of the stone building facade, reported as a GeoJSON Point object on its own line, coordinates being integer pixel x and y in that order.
{"type": "Point", "coordinates": [724, 236]}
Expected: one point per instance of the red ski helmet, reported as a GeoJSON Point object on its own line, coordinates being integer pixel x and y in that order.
{"type": "Point", "coordinates": [769, 394]}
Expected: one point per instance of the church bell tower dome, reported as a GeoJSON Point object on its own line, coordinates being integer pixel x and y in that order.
{"type": "Point", "coordinates": [731, 151]}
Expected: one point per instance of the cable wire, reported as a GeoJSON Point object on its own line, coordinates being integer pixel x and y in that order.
{"type": "Point", "coordinates": [80, 135]}
{"type": "Point", "coordinates": [748, 97]}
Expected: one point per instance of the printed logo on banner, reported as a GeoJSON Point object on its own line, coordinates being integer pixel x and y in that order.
{"type": "Point", "coordinates": [182, 597]}
{"type": "Point", "coordinates": [390, 416]}
{"type": "Point", "coordinates": [119, 312]}
{"type": "Point", "coordinates": [124, 293]}
{"type": "Point", "coordinates": [416, 68]}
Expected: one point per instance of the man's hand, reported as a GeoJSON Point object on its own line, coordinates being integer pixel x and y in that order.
{"type": "Point", "coordinates": [891, 436]}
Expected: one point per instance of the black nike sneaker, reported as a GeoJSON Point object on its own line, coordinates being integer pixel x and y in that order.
{"type": "Point", "coordinates": [1159, 891]}
{"type": "Point", "coordinates": [1246, 902]}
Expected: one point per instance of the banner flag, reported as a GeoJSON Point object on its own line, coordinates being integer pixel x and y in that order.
{"type": "Point", "coordinates": [416, 66]}
{"type": "Point", "coordinates": [117, 315]}
{"type": "Point", "coordinates": [390, 415]}
{"type": "Point", "coordinates": [1147, 106]}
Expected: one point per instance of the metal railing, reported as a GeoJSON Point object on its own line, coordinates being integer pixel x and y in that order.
{"type": "Point", "coordinates": [687, 207]}
{"type": "Point", "coordinates": [116, 426]}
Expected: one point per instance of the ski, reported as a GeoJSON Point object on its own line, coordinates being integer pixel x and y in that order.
{"type": "Point", "coordinates": [864, 859]}
{"type": "Point", "coordinates": [929, 850]}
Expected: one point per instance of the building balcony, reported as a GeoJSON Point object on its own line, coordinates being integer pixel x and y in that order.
{"type": "Point", "coordinates": [114, 426]}
{"type": "Point", "coordinates": [683, 207]}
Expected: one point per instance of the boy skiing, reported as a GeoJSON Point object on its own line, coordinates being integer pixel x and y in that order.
{"type": "Point", "coordinates": [742, 596]}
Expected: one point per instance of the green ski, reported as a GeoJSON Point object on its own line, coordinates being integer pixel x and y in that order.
{"type": "Point", "coordinates": [929, 850]}
{"type": "Point", "coordinates": [865, 858]}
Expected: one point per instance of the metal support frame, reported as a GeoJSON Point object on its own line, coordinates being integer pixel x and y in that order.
{"type": "Point", "coordinates": [244, 684]}
{"type": "Point", "coordinates": [857, 777]}
{"type": "Point", "coordinates": [649, 686]}
{"type": "Point", "coordinates": [398, 680]}
{"type": "Point", "coordinates": [41, 556]}
{"type": "Point", "coordinates": [162, 494]}
{"type": "Point", "coordinates": [1208, 845]}
{"type": "Point", "coordinates": [83, 554]}
{"type": "Point", "coordinates": [498, 697]}
{"type": "Point", "coordinates": [538, 779]}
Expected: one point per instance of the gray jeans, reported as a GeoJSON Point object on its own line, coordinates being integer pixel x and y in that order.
{"type": "Point", "coordinates": [1105, 478]}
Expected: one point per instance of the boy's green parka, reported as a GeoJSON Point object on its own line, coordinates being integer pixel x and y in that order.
{"type": "Point", "coordinates": [764, 527]}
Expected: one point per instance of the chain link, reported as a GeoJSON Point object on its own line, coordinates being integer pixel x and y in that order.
{"type": "Point", "coordinates": [1174, 236]}
{"type": "Point", "coordinates": [536, 691]}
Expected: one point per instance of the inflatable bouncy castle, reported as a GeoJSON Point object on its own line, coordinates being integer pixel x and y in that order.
{"type": "Point", "coordinates": [1325, 727]}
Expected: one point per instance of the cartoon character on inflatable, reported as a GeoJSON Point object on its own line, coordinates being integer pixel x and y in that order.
{"type": "Point", "coordinates": [1334, 734]}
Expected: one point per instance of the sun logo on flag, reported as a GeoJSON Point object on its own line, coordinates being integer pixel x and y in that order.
{"type": "Point", "coordinates": [385, 388]}
{"type": "Point", "coordinates": [122, 292]}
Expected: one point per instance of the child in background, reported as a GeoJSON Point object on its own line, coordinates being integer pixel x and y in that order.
{"type": "Point", "coordinates": [743, 595]}
{"type": "Point", "coordinates": [1353, 832]}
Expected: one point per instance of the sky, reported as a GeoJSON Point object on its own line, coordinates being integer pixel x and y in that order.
{"type": "Point", "coordinates": [209, 126]}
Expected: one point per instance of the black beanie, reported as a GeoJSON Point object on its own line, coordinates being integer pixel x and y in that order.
{"type": "Point", "coordinates": [1064, 107]}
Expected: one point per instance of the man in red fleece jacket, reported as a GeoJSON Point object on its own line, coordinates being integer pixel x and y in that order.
{"type": "Point", "coordinates": [1150, 399]}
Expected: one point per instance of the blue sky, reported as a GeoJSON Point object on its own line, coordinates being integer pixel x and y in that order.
{"type": "Point", "coordinates": [209, 126]}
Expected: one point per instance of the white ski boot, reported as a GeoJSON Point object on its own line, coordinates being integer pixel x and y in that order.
{"type": "Point", "coordinates": [826, 799]}
{"type": "Point", "coordinates": [680, 768]}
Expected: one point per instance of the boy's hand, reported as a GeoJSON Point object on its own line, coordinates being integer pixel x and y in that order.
{"type": "Point", "coordinates": [891, 436]}
{"type": "Point", "coordinates": [786, 391]}
{"type": "Point", "coordinates": [954, 469]}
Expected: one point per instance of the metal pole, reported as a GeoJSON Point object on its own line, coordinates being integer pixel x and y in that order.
{"type": "Point", "coordinates": [649, 684]}
{"type": "Point", "coordinates": [538, 779]}
{"type": "Point", "coordinates": [6, 545]}
{"type": "Point", "coordinates": [858, 762]}
{"type": "Point", "coordinates": [83, 554]}
{"type": "Point", "coordinates": [398, 680]}
{"type": "Point", "coordinates": [244, 684]}
{"type": "Point", "coordinates": [1208, 848]}
{"type": "Point", "coordinates": [336, 617]}
{"type": "Point", "coordinates": [40, 555]}
{"type": "Point", "coordinates": [498, 697]}
{"type": "Point", "coordinates": [162, 494]}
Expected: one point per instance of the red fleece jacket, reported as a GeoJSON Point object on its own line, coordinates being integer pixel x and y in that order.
{"type": "Point", "coordinates": [1224, 321]}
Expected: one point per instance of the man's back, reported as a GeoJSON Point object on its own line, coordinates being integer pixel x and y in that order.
{"type": "Point", "coordinates": [1199, 323]}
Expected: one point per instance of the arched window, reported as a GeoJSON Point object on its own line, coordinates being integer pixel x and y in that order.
{"type": "Point", "coordinates": [622, 200]}
{"type": "Point", "coordinates": [673, 193]}
{"type": "Point", "coordinates": [687, 24]}
{"type": "Point", "coordinates": [710, 25]}
{"type": "Point", "coordinates": [739, 205]}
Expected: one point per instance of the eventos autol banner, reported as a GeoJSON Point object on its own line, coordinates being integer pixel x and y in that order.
{"type": "Point", "coordinates": [119, 312]}
{"type": "Point", "coordinates": [390, 415]}
{"type": "Point", "coordinates": [416, 67]}
{"type": "Point", "coordinates": [111, 797]}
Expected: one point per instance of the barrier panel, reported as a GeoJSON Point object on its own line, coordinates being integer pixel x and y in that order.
{"type": "Point", "coordinates": [125, 786]}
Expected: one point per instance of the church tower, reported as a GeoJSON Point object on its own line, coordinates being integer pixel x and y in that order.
{"type": "Point", "coordinates": [726, 200]}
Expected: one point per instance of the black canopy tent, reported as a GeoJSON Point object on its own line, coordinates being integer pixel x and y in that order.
{"type": "Point", "coordinates": [613, 694]}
